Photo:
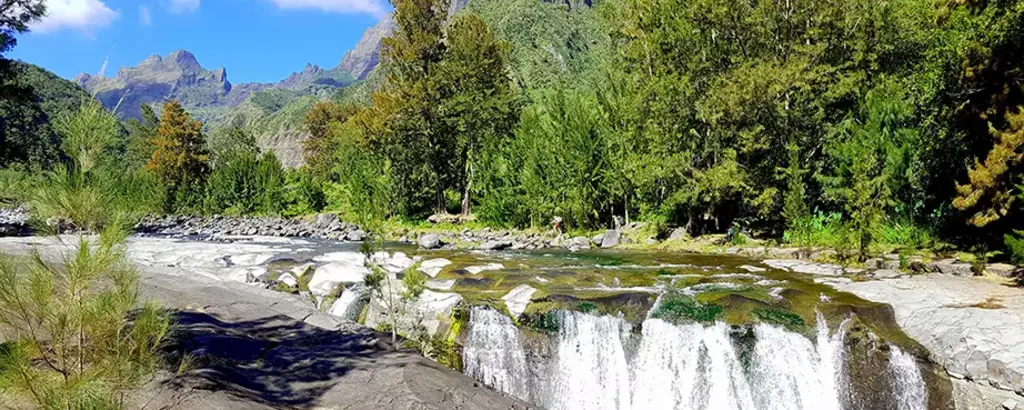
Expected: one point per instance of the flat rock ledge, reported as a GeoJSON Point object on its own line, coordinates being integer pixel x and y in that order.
{"type": "Point", "coordinates": [971, 326]}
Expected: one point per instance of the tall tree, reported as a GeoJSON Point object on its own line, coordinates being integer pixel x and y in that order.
{"type": "Point", "coordinates": [478, 103]}
{"type": "Point", "coordinates": [991, 185]}
{"type": "Point", "coordinates": [180, 158]}
{"type": "Point", "coordinates": [322, 144]}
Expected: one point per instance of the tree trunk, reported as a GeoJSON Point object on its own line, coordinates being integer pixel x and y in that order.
{"type": "Point", "coordinates": [468, 187]}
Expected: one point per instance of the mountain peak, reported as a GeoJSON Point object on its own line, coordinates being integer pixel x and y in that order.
{"type": "Point", "coordinates": [184, 60]}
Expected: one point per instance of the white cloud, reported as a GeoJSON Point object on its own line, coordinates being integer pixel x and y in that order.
{"type": "Point", "coordinates": [337, 6]}
{"type": "Point", "coordinates": [83, 15]}
{"type": "Point", "coordinates": [145, 17]}
{"type": "Point", "coordinates": [184, 6]}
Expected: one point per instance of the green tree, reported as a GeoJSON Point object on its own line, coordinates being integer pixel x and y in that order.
{"type": "Point", "coordinates": [479, 105]}
{"type": "Point", "coordinates": [319, 148]}
{"type": "Point", "coordinates": [180, 158]}
{"type": "Point", "coordinates": [870, 160]}
{"type": "Point", "coordinates": [408, 127]}
{"type": "Point", "coordinates": [990, 189]}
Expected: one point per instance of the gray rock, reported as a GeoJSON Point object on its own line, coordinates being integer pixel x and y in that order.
{"type": "Point", "coordinates": [1004, 270]}
{"type": "Point", "coordinates": [873, 263]}
{"type": "Point", "coordinates": [356, 235]}
{"type": "Point", "coordinates": [597, 239]}
{"type": "Point", "coordinates": [970, 326]}
{"type": "Point", "coordinates": [950, 267]}
{"type": "Point", "coordinates": [610, 239]}
{"type": "Point", "coordinates": [677, 234]}
{"type": "Point", "coordinates": [886, 274]}
{"type": "Point", "coordinates": [429, 241]}
{"type": "Point", "coordinates": [518, 298]}
{"type": "Point", "coordinates": [579, 242]}
{"type": "Point", "coordinates": [1009, 404]}
{"type": "Point", "coordinates": [496, 245]}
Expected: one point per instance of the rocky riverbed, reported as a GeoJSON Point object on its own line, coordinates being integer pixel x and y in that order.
{"type": "Point", "coordinates": [255, 348]}
{"type": "Point", "coordinates": [890, 322]}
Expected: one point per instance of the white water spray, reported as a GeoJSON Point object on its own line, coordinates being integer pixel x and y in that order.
{"type": "Point", "coordinates": [673, 367]}
{"type": "Point", "coordinates": [907, 381]}
{"type": "Point", "coordinates": [494, 354]}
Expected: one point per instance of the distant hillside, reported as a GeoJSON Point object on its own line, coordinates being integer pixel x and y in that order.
{"type": "Point", "coordinates": [32, 99]}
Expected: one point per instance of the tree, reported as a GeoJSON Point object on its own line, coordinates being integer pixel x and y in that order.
{"type": "Point", "coordinates": [990, 188]}
{"type": "Point", "coordinates": [180, 158]}
{"type": "Point", "coordinates": [479, 104]}
{"type": "Point", "coordinates": [869, 161]}
{"type": "Point", "coordinates": [319, 148]}
{"type": "Point", "coordinates": [408, 126]}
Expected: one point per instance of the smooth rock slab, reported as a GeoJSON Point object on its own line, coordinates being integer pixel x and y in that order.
{"type": "Point", "coordinates": [811, 268]}
{"type": "Point", "coordinates": [518, 298]}
{"type": "Point", "coordinates": [327, 277]}
{"type": "Point", "coordinates": [434, 266]}
{"type": "Point", "coordinates": [971, 326]}
{"type": "Point", "coordinates": [490, 266]}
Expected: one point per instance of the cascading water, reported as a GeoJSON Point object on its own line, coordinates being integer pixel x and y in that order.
{"type": "Point", "coordinates": [908, 382]}
{"type": "Point", "coordinates": [343, 307]}
{"type": "Point", "coordinates": [494, 354]}
{"type": "Point", "coordinates": [598, 363]}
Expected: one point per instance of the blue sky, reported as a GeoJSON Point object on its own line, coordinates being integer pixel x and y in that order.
{"type": "Point", "coordinates": [256, 40]}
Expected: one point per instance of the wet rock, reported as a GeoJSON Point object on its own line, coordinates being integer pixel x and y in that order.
{"type": "Point", "coordinates": [434, 266]}
{"type": "Point", "coordinates": [496, 245]}
{"type": "Point", "coordinates": [518, 298]}
{"type": "Point", "coordinates": [610, 239]}
{"type": "Point", "coordinates": [429, 241]}
{"type": "Point", "coordinates": [490, 266]}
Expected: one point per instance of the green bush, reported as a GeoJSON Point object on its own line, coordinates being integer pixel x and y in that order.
{"type": "Point", "coordinates": [81, 318]}
{"type": "Point", "coordinates": [1015, 246]}
{"type": "Point", "coordinates": [245, 184]}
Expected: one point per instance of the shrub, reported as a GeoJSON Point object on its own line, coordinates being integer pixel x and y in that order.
{"type": "Point", "coordinates": [681, 310]}
{"type": "Point", "coordinates": [1015, 245]}
{"type": "Point", "coordinates": [73, 339]}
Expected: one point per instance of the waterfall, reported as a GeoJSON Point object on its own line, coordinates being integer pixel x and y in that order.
{"type": "Point", "coordinates": [689, 366]}
{"type": "Point", "coordinates": [494, 353]}
{"type": "Point", "coordinates": [349, 297]}
{"type": "Point", "coordinates": [591, 371]}
{"type": "Point", "coordinates": [907, 381]}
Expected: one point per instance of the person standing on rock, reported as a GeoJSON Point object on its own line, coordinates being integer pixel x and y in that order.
{"type": "Point", "coordinates": [556, 225]}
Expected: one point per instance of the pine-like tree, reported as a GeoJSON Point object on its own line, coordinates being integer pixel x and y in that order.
{"type": "Point", "coordinates": [180, 158]}
{"type": "Point", "coordinates": [990, 186]}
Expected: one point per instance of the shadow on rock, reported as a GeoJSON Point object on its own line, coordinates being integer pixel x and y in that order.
{"type": "Point", "coordinates": [276, 361]}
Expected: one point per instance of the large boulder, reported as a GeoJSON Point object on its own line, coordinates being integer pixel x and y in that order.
{"type": "Point", "coordinates": [678, 234]}
{"type": "Point", "coordinates": [950, 267]}
{"type": "Point", "coordinates": [496, 245]}
{"type": "Point", "coordinates": [356, 235]}
{"type": "Point", "coordinates": [430, 241]}
{"type": "Point", "coordinates": [328, 277]}
{"type": "Point", "coordinates": [611, 239]}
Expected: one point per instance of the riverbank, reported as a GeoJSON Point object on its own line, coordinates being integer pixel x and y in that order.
{"type": "Point", "coordinates": [255, 348]}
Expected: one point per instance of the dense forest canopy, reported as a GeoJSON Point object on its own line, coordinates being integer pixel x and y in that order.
{"type": "Point", "coordinates": [895, 122]}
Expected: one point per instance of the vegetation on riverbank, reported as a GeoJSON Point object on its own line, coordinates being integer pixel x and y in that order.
{"type": "Point", "coordinates": [849, 125]}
